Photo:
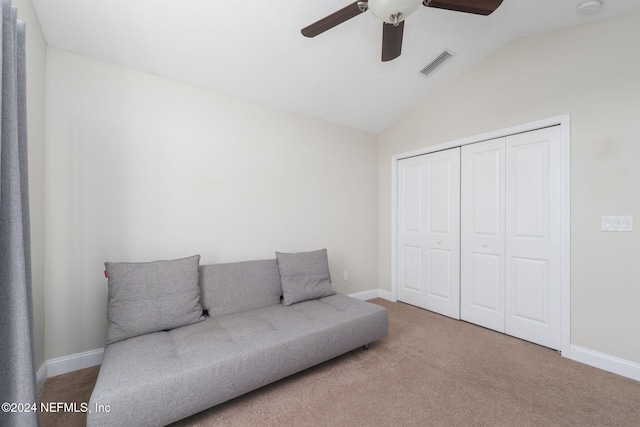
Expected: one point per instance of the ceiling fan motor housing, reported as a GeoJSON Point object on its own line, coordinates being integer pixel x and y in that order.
{"type": "Point", "coordinates": [393, 11]}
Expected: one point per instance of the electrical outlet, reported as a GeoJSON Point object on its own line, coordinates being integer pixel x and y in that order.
{"type": "Point", "coordinates": [345, 275]}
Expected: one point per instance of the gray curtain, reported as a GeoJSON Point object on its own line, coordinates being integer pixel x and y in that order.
{"type": "Point", "coordinates": [17, 370]}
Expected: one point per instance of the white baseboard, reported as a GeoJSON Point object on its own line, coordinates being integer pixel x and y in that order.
{"type": "Point", "coordinates": [605, 362]}
{"type": "Point", "coordinates": [365, 295]}
{"type": "Point", "coordinates": [371, 294]}
{"type": "Point", "coordinates": [73, 362]}
{"type": "Point", "coordinates": [386, 295]}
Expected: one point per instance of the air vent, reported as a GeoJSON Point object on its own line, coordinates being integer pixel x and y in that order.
{"type": "Point", "coordinates": [436, 63]}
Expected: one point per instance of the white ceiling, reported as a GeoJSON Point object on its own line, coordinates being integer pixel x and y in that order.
{"type": "Point", "coordinates": [254, 50]}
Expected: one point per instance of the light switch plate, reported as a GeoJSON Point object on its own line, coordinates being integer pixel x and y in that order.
{"type": "Point", "coordinates": [617, 223]}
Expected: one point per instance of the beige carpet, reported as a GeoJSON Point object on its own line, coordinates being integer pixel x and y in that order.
{"type": "Point", "coordinates": [430, 370]}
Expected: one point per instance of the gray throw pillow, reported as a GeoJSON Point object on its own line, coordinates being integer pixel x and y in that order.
{"type": "Point", "coordinates": [304, 276]}
{"type": "Point", "coordinates": [153, 296]}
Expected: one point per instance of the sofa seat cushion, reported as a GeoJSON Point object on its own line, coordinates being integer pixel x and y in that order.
{"type": "Point", "coordinates": [162, 377]}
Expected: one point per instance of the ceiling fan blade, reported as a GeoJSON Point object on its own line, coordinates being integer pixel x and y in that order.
{"type": "Point", "coordinates": [334, 19]}
{"type": "Point", "coordinates": [479, 7]}
{"type": "Point", "coordinates": [392, 40]}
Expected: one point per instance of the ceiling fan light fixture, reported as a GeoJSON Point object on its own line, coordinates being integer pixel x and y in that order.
{"type": "Point", "coordinates": [589, 6]}
{"type": "Point", "coordinates": [393, 11]}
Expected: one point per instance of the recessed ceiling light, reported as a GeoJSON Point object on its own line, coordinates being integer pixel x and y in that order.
{"type": "Point", "coordinates": [589, 6]}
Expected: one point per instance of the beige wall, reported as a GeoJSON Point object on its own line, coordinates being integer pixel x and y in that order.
{"type": "Point", "coordinates": [36, 49]}
{"type": "Point", "coordinates": [591, 72]}
{"type": "Point", "coordinates": [142, 168]}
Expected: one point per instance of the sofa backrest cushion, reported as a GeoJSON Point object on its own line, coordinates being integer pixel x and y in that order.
{"type": "Point", "coordinates": [239, 286]}
{"type": "Point", "coordinates": [304, 276]}
{"type": "Point", "coordinates": [147, 297]}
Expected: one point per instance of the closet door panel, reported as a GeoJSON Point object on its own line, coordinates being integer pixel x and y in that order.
{"type": "Point", "coordinates": [482, 234]}
{"type": "Point", "coordinates": [485, 283]}
{"type": "Point", "coordinates": [443, 235]}
{"type": "Point", "coordinates": [440, 274]}
{"type": "Point", "coordinates": [411, 231]}
{"type": "Point", "coordinates": [533, 236]}
{"type": "Point", "coordinates": [529, 293]}
{"type": "Point", "coordinates": [411, 258]}
{"type": "Point", "coordinates": [429, 231]}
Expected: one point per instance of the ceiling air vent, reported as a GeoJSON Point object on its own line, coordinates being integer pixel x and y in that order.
{"type": "Point", "coordinates": [436, 63]}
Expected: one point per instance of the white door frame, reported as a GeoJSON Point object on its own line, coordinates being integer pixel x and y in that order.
{"type": "Point", "coordinates": [565, 128]}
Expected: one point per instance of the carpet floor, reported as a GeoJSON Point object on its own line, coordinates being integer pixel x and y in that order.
{"type": "Point", "coordinates": [429, 371]}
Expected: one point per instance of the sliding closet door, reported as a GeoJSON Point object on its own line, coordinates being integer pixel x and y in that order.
{"type": "Point", "coordinates": [429, 231]}
{"type": "Point", "coordinates": [479, 234]}
{"type": "Point", "coordinates": [510, 235]}
{"type": "Point", "coordinates": [483, 234]}
{"type": "Point", "coordinates": [533, 227]}
{"type": "Point", "coordinates": [411, 231]}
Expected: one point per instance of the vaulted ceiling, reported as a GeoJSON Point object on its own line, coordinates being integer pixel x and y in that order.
{"type": "Point", "coordinates": [255, 51]}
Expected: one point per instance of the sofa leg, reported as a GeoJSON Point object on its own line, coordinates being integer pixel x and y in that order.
{"type": "Point", "coordinates": [366, 347]}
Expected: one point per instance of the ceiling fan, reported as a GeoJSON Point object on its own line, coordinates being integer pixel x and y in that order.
{"type": "Point", "coordinates": [393, 13]}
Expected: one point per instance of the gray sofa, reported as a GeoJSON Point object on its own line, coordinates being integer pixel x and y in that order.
{"type": "Point", "coordinates": [251, 334]}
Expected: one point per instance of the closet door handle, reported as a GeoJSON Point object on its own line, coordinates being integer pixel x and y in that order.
{"type": "Point", "coordinates": [439, 241]}
{"type": "Point", "coordinates": [484, 245]}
